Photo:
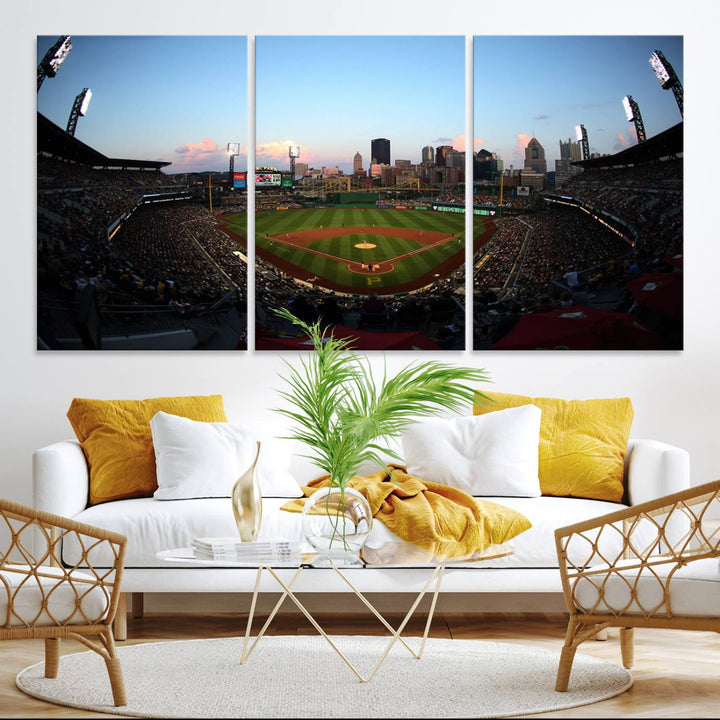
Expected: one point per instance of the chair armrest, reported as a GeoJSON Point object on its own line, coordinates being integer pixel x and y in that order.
{"type": "Point", "coordinates": [61, 478]}
{"type": "Point", "coordinates": [655, 469]}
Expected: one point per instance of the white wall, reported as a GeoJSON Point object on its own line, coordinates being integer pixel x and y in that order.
{"type": "Point", "coordinates": [676, 395]}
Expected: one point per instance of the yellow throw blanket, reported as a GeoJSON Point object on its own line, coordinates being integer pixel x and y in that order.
{"type": "Point", "coordinates": [430, 515]}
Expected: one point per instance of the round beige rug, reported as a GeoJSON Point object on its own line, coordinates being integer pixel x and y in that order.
{"type": "Point", "coordinates": [302, 677]}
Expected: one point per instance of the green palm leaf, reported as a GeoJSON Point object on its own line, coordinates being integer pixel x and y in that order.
{"type": "Point", "coordinates": [346, 417]}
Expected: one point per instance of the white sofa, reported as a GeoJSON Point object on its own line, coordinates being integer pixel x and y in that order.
{"type": "Point", "coordinates": [61, 478]}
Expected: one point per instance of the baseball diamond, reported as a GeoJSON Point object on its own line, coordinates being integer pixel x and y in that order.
{"type": "Point", "coordinates": [359, 250]}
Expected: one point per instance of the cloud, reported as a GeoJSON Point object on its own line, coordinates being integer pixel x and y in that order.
{"type": "Point", "coordinates": [203, 155]}
{"type": "Point", "coordinates": [442, 141]}
{"type": "Point", "coordinates": [274, 151]}
{"type": "Point", "coordinates": [622, 141]}
{"type": "Point", "coordinates": [522, 141]}
{"type": "Point", "coordinates": [541, 117]}
{"type": "Point", "coordinates": [195, 149]}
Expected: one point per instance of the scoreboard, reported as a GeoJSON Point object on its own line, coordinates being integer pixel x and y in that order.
{"type": "Point", "coordinates": [267, 179]}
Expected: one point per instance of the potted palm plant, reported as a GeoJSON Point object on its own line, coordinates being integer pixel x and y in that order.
{"type": "Point", "coordinates": [345, 417]}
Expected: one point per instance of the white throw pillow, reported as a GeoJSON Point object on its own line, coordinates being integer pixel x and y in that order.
{"type": "Point", "coordinates": [494, 454]}
{"type": "Point", "coordinates": [204, 459]}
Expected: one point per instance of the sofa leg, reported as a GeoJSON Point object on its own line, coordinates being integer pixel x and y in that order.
{"type": "Point", "coordinates": [120, 623]}
{"type": "Point", "coordinates": [52, 657]}
{"type": "Point", "coordinates": [138, 605]}
{"type": "Point", "coordinates": [627, 646]}
{"type": "Point", "coordinates": [602, 634]}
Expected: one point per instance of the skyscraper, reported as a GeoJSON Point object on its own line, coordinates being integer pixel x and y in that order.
{"type": "Point", "coordinates": [570, 150]}
{"type": "Point", "coordinates": [428, 154]}
{"type": "Point", "coordinates": [380, 151]}
{"type": "Point", "coordinates": [535, 157]}
{"type": "Point", "coordinates": [357, 162]}
{"type": "Point", "coordinates": [440, 153]}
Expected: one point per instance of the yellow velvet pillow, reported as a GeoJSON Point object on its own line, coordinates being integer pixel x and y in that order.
{"type": "Point", "coordinates": [116, 438]}
{"type": "Point", "coordinates": [582, 443]}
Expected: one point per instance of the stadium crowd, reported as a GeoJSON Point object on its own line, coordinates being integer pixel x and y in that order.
{"type": "Point", "coordinates": [170, 254]}
{"type": "Point", "coordinates": [555, 256]}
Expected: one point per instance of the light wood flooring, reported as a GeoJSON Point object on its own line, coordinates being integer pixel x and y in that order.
{"type": "Point", "coordinates": [676, 673]}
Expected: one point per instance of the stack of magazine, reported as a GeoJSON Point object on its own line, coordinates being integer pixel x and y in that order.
{"type": "Point", "coordinates": [277, 552]}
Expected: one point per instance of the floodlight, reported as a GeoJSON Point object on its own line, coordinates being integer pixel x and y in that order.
{"type": "Point", "coordinates": [632, 112]}
{"type": "Point", "coordinates": [294, 151]}
{"type": "Point", "coordinates": [627, 104]}
{"type": "Point", "coordinates": [233, 148]}
{"type": "Point", "coordinates": [582, 137]}
{"type": "Point", "coordinates": [667, 77]}
{"type": "Point", "coordinates": [86, 97]}
{"type": "Point", "coordinates": [53, 59]}
{"type": "Point", "coordinates": [80, 106]}
{"type": "Point", "coordinates": [60, 50]}
{"type": "Point", "coordinates": [663, 70]}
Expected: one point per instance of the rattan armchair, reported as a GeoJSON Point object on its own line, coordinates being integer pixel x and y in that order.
{"type": "Point", "coordinates": [41, 598]}
{"type": "Point", "coordinates": [653, 565]}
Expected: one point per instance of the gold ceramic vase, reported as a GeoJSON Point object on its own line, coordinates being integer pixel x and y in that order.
{"type": "Point", "coordinates": [247, 502]}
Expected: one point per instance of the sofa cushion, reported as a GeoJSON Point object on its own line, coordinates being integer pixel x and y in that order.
{"type": "Point", "coordinates": [47, 598]}
{"type": "Point", "coordinates": [204, 459]}
{"type": "Point", "coordinates": [493, 454]}
{"type": "Point", "coordinates": [694, 590]}
{"type": "Point", "coordinates": [582, 443]}
{"type": "Point", "coordinates": [152, 525]}
{"type": "Point", "coordinates": [116, 439]}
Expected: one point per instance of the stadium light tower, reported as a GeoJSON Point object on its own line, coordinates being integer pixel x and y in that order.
{"type": "Point", "coordinates": [582, 137]}
{"type": "Point", "coordinates": [80, 106]}
{"type": "Point", "coordinates": [53, 59]}
{"type": "Point", "coordinates": [293, 152]}
{"type": "Point", "coordinates": [233, 149]}
{"type": "Point", "coordinates": [632, 113]}
{"type": "Point", "coordinates": [667, 77]}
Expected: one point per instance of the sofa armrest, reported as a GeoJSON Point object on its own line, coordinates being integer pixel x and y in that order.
{"type": "Point", "coordinates": [61, 478]}
{"type": "Point", "coordinates": [654, 469]}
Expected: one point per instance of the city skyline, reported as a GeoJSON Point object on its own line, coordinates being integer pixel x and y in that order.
{"type": "Point", "coordinates": [353, 89]}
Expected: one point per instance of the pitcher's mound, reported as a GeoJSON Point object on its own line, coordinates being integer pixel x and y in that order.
{"type": "Point", "coordinates": [365, 246]}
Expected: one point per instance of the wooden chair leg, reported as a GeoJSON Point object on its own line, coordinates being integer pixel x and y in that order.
{"type": "Point", "coordinates": [627, 646]}
{"type": "Point", "coordinates": [120, 623]}
{"type": "Point", "coordinates": [567, 655]}
{"type": "Point", "coordinates": [602, 634]}
{"type": "Point", "coordinates": [52, 657]}
{"type": "Point", "coordinates": [112, 662]}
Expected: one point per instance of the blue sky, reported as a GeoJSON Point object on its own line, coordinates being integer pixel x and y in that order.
{"type": "Point", "coordinates": [172, 98]}
{"type": "Point", "coordinates": [546, 85]}
{"type": "Point", "coordinates": [332, 95]}
{"type": "Point", "coordinates": [183, 98]}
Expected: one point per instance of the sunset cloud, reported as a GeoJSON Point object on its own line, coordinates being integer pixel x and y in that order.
{"type": "Point", "coordinates": [193, 156]}
{"type": "Point", "coordinates": [519, 150]}
{"type": "Point", "coordinates": [276, 151]}
{"type": "Point", "coordinates": [541, 117]}
{"type": "Point", "coordinates": [459, 142]}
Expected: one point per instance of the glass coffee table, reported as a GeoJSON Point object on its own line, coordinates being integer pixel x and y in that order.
{"type": "Point", "coordinates": [388, 555]}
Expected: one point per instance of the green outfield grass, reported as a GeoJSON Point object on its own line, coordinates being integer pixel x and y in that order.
{"type": "Point", "coordinates": [276, 223]}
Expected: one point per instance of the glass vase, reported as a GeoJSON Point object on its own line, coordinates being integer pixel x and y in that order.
{"type": "Point", "coordinates": [247, 502]}
{"type": "Point", "coordinates": [337, 522]}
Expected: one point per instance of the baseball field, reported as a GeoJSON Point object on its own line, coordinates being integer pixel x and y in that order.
{"type": "Point", "coordinates": [361, 249]}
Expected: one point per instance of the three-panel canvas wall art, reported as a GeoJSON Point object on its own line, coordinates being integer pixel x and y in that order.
{"type": "Point", "coordinates": [386, 187]}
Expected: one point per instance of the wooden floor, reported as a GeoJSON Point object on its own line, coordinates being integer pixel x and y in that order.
{"type": "Point", "coordinates": [676, 673]}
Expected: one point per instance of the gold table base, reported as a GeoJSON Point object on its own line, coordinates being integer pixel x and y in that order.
{"type": "Point", "coordinates": [248, 646]}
